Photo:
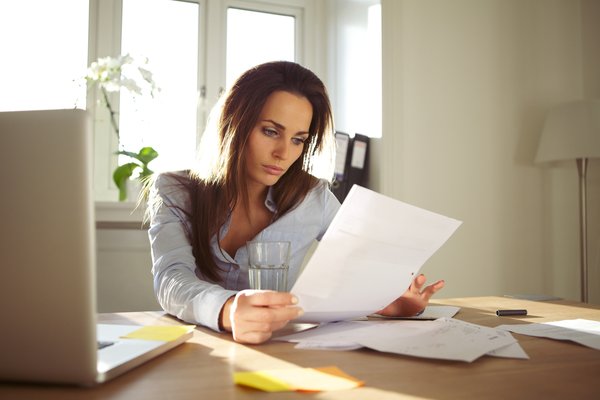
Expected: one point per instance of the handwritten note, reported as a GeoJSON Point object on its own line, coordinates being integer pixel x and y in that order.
{"type": "Point", "coordinates": [444, 338]}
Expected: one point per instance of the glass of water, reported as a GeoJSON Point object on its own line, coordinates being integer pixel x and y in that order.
{"type": "Point", "coordinates": [268, 264]}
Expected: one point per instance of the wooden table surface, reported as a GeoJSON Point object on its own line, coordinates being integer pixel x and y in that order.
{"type": "Point", "coordinates": [202, 368]}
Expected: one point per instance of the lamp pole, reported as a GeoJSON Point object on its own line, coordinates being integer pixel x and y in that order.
{"type": "Point", "coordinates": [582, 170]}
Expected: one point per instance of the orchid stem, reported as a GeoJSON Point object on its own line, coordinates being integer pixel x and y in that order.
{"type": "Point", "coordinates": [113, 119]}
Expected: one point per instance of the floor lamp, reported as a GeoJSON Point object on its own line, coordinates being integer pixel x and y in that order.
{"type": "Point", "coordinates": [572, 132]}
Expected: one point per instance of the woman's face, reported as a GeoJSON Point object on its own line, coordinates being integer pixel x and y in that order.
{"type": "Point", "coordinates": [278, 137]}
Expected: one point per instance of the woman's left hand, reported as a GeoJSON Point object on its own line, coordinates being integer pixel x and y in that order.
{"type": "Point", "coordinates": [414, 300]}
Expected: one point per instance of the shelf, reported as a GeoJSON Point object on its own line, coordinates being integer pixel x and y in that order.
{"type": "Point", "coordinates": [119, 215]}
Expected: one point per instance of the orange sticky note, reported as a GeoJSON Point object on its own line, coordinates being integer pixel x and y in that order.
{"type": "Point", "coordinates": [333, 370]}
{"type": "Point", "coordinates": [160, 333]}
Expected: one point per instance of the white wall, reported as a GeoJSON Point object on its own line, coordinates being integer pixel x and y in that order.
{"type": "Point", "coordinates": [466, 84]}
{"type": "Point", "coordinates": [124, 279]}
{"type": "Point", "coordinates": [590, 10]}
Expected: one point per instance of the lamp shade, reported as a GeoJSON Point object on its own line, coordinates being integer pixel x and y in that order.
{"type": "Point", "coordinates": [571, 131]}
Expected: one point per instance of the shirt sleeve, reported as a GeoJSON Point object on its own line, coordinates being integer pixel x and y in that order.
{"type": "Point", "coordinates": [178, 289]}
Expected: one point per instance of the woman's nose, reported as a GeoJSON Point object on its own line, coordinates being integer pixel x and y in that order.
{"type": "Point", "coordinates": [282, 150]}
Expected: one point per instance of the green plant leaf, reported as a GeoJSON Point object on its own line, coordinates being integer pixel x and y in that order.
{"type": "Point", "coordinates": [128, 154]}
{"type": "Point", "coordinates": [147, 154]}
{"type": "Point", "coordinates": [125, 171]}
{"type": "Point", "coordinates": [144, 156]}
{"type": "Point", "coordinates": [120, 176]}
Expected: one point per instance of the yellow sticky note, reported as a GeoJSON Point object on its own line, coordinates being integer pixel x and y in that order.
{"type": "Point", "coordinates": [289, 379]}
{"type": "Point", "coordinates": [161, 333]}
{"type": "Point", "coordinates": [261, 380]}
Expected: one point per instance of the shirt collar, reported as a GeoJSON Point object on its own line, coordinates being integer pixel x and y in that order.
{"type": "Point", "coordinates": [269, 202]}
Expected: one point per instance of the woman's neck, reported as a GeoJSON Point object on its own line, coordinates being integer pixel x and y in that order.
{"type": "Point", "coordinates": [257, 194]}
{"type": "Point", "coordinates": [246, 223]}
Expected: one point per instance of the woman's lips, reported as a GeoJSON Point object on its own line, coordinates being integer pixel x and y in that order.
{"type": "Point", "coordinates": [273, 170]}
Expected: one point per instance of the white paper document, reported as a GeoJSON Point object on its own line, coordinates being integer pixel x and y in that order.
{"type": "Point", "coordinates": [511, 351]}
{"type": "Point", "coordinates": [368, 257]}
{"type": "Point", "coordinates": [582, 331]}
{"type": "Point", "coordinates": [430, 313]}
{"type": "Point", "coordinates": [445, 338]}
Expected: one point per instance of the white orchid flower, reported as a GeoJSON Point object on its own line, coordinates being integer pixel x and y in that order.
{"type": "Point", "coordinates": [114, 73]}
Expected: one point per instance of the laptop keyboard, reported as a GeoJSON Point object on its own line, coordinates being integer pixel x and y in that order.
{"type": "Point", "coordinates": [103, 344]}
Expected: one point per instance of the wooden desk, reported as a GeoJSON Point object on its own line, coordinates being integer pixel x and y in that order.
{"type": "Point", "coordinates": [202, 368]}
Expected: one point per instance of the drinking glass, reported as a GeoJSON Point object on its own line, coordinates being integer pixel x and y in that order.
{"type": "Point", "coordinates": [268, 265]}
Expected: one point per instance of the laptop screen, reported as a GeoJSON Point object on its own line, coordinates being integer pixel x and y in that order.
{"type": "Point", "coordinates": [48, 260]}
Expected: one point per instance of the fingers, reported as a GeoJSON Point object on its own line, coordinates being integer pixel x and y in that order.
{"type": "Point", "coordinates": [256, 314]}
{"type": "Point", "coordinates": [438, 285]}
{"type": "Point", "coordinates": [433, 288]}
{"type": "Point", "coordinates": [414, 300]}
{"type": "Point", "coordinates": [271, 314]}
{"type": "Point", "coordinates": [268, 298]}
{"type": "Point", "coordinates": [419, 282]}
{"type": "Point", "coordinates": [255, 332]}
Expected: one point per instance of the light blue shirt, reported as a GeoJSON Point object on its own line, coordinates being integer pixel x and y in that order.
{"type": "Point", "coordinates": [181, 289]}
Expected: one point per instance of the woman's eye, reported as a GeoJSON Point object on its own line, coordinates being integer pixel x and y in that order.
{"type": "Point", "coordinates": [270, 132]}
{"type": "Point", "coordinates": [298, 140]}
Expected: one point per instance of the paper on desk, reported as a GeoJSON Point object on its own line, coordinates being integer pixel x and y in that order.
{"type": "Point", "coordinates": [447, 339]}
{"type": "Point", "coordinates": [369, 255]}
{"type": "Point", "coordinates": [345, 335]}
{"type": "Point", "coordinates": [511, 351]}
{"type": "Point", "coordinates": [582, 331]}
{"type": "Point", "coordinates": [341, 346]}
{"type": "Point", "coordinates": [430, 313]}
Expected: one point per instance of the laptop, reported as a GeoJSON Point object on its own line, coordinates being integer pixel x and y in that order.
{"type": "Point", "coordinates": [47, 255]}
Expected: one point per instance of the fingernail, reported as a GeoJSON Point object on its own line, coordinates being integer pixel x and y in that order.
{"type": "Point", "coordinates": [300, 312]}
{"type": "Point", "coordinates": [294, 300]}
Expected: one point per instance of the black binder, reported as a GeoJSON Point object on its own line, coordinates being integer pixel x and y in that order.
{"type": "Point", "coordinates": [353, 155]}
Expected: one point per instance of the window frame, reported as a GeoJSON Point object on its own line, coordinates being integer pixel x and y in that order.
{"type": "Point", "coordinates": [288, 8]}
{"type": "Point", "coordinates": [105, 22]}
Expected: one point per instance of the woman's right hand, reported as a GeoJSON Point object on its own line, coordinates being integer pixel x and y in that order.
{"type": "Point", "coordinates": [252, 315]}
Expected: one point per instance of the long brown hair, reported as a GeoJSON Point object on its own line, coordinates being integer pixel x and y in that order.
{"type": "Point", "coordinates": [214, 192]}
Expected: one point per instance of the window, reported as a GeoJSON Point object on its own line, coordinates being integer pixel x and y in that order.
{"type": "Point", "coordinates": [44, 52]}
{"type": "Point", "coordinates": [357, 95]}
{"type": "Point", "coordinates": [194, 49]}
{"type": "Point", "coordinates": [168, 121]}
{"type": "Point", "coordinates": [254, 37]}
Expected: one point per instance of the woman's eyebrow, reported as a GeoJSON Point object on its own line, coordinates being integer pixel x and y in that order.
{"type": "Point", "coordinates": [279, 126]}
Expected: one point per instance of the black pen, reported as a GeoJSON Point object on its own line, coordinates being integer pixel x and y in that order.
{"type": "Point", "coordinates": [502, 313]}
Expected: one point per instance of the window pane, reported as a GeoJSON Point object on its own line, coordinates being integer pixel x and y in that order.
{"type": "Point", "coordinates": [255, 37]}
{"type": "Point", "coordinates": [44, 47]}
{"type": "Point", "coordinates": [166, 33]}
{"type": "Point", "coordinates": [358, 68]}
{"type": "Point", "coordinates": [372, 121]}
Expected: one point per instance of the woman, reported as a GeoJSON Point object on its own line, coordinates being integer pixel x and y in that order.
{"type": "Point", "coordinates": [274, 120]}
